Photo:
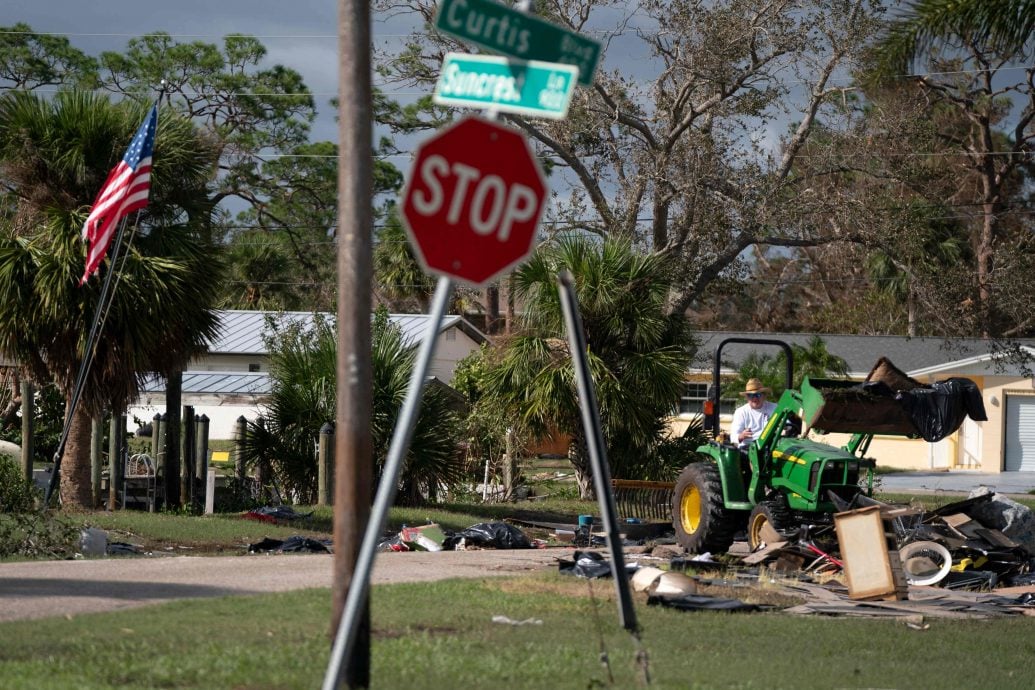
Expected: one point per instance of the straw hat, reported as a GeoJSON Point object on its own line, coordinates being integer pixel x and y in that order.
{"type": "Point", "coordinates": [755, 386]}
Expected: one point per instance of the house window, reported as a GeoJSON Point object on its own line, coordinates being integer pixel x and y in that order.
{"type": "Point", "coordinates": [692, 400]}
{"type": "Point", "coordinates": [253, 367]}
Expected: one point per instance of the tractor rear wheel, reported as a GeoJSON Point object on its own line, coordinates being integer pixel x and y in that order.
{"type": "Point", "coordinates": [701, 521]}
{"type": "Point", "coordinates": [772, 512]}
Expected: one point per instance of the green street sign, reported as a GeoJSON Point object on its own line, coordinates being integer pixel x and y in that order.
{"type": "Point", "coordinates": [536, 89]}
{"type": "Point", "coordinates": [517, 34]}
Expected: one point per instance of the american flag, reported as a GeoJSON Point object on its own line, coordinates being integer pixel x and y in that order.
{"type": "Point", "coordinates": [124, 191]}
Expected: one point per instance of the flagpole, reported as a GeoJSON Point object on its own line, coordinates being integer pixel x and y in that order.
{"type": "Point", "coordinates": [99, 316]}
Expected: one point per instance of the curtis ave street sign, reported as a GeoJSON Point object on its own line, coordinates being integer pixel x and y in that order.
{"type": "Point", "coordinates": [507, 31]}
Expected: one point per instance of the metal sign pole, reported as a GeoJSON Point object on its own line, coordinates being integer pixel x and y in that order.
{"type": "Point", "coordinates": [595, 443]}
{"type": "Point", "coordinates": [359, 588]}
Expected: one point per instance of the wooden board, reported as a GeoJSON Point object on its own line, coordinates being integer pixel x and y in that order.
{"type": "Point", "coordinates": [864, 550]}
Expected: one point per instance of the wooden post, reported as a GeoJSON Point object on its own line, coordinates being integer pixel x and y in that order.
{"type": "Point", "coordinates": [508, 467]}
{"type": "Point", "coordinates": [187, 456]}
{"type": "Point", "coordinates": [201, 460]}
{"type": "Point", "coordinates": [173, 395]}
{"type": "Point", "coordinates": [28, 417]}
{"type": "Point", "coordinates": [115, 466]}
{"type": "Point", "coordinates": [353, 445]}
{"type": "Point", "coordinates": [324, 468]}
{"type": "Point", "coordinates": [262, 468]}
{"type": "Point", "coordinates": [158, 448]}
{"type": "Point", "coordinates": [240, 431]}
{"type": "Point", "coordinates": [96, 460]}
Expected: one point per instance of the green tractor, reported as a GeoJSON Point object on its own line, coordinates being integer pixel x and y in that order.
{"type": "Point", "coordinates": [782, 479]}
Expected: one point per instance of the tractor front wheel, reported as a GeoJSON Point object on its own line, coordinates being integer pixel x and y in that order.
{"type": "Point", "coordinates": [772, 512]}
{"type": "Point", "coordinates": [701, 520]}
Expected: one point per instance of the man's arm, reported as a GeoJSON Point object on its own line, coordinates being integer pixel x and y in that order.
{"type": "Point", "coordinates": [737, 427]}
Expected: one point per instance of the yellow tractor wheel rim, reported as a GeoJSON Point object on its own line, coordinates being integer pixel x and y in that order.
{"type": "Point", "coordinates": [755, 529]}
{"type": "Point", "coordinates": [690, 510]}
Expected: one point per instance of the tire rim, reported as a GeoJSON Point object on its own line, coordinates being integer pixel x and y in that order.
{"type": "Point", "coordinates": [690, 510]}
{"type": "Point", "coordinates": [755, 530]}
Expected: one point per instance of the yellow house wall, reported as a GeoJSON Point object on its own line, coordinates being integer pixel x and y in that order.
{"type": "Point", "coordinates": [993, 440]}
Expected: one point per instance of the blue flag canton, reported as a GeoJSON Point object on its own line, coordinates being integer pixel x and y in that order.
{"type": "Point", "coordinates": [144, 141]}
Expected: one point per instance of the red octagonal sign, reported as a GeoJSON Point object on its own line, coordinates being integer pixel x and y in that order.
{"type": "Point", "coordinates": [473, 200]}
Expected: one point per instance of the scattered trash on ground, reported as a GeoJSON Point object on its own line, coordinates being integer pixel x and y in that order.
{"type": "Point", "coordinates": [121, 548]}
{"type": "Point", "coordinates": [590, 564]}
{"type": "Point", "coordinates": [700, 602]}
{"type": "Point", "coordinates": [504, 620]}
{"type": "Point", "coordinates": [276, 514]}
{"type": "Point", "coordinates": [93, 542]}
{"type": "Point", "coordinates": [496, 535]}
{"type": "Point", "coordinates": [295, 544]}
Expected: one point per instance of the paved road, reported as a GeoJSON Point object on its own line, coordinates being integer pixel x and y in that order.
{"type": "Point", "coordinates": [39, 589]}
{"type": "Point", "coordinates": [959, 481]}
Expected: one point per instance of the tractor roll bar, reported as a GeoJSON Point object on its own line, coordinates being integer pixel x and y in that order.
{"type": "Point", "coordinates": [711, 417]}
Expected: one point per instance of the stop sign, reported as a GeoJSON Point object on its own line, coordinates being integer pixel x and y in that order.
{"type": "Point", "coordinates": [473, 200]}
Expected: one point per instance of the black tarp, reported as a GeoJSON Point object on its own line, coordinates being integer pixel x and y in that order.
{"type": "Point", "coordinates": [940, 409]}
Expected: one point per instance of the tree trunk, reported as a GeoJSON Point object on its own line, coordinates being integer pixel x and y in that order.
{"type": "Point", "coordinates": [492, 309]}
{"type": "Point", "coordinates": [76, 488]}
{"type": "Point", "coordinates": [578, 456]}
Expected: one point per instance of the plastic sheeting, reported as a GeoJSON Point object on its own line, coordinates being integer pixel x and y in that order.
{"type": "Point", "coordinates": [1015, 520]}
{"type": "Point", "coordinates": [296, 544]}
{"type": "Point", "coordinates": [700, 602]}
{"type": "Point", "coordinates": [939, 410]}
{"type": "Point", "coordinates": [496, 535]}
{"type": "Point", "coordinates": [590, 564]}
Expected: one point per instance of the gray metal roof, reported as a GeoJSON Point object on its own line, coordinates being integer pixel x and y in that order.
{"type": "Point", "coordinates": [217, 383]}
{"type": "Point", "coordinates": [861, 352]}
{"type": "Point", "coordinates": [240, 332]}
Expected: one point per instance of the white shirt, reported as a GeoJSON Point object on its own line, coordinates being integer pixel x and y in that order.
{"type": "Point", "coordinates": [745, 417]}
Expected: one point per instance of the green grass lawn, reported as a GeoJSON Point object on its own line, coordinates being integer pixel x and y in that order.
{"type": "Point", "coordinates": [440, 635]}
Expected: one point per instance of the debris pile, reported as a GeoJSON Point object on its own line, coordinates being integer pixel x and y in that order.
{"type": "Point", "coordinates": [431, 537]}
{"type": "Point", "coordinates": [968, 559]}
{"type": "Point", "coordinates": [979, 543]}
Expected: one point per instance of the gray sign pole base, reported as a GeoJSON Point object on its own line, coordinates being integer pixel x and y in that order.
{"type": "Point", "coordinates": [595, 443]}
{"type": "Point", "coordinates": [345, 638]}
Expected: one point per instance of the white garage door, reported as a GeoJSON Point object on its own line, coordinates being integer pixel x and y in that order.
{"type": "Point", "coordinates": [1020, 433]}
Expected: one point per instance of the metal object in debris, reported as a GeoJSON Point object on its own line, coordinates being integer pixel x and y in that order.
{"type": "Point", "coordinates": [642, 499]}
{"type": "Point", "coordinates": [925, 562]}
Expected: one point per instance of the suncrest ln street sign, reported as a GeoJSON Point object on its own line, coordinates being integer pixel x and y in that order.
{"type": "Point", "coordinates": [532, 88]}
{"type": "Point", "coordinates": [517, 34]}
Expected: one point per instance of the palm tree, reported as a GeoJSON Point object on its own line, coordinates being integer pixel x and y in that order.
{"type": "Point", "coordinates": [813, 360]}
{"type": "Point", "coordinates": [637, 352]}
{"type": "Point", "coordinates": [1005, 24]}
{"type": "Point", "coordinates": [54, 156]}
{"type": "Point", "coordinates": [399, 277]}
{"type": "Point", "coordinates": [303, 369]}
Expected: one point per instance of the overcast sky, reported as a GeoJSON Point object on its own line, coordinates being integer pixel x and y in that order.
{"type": "Point", "coordinates": [300, 34]}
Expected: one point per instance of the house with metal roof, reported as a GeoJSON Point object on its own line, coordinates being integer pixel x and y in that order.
{"type": "Point", "coordinates": [1003, 373]}
{"type": "Point", "coordinates": [232, 378]}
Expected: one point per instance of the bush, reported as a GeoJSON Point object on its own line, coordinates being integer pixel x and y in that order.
{"type": "Point", "coordinates": [23, 530]}
{"type": "Point", "coordinates": [17, 494]}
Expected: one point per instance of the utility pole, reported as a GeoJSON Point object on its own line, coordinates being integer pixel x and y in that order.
{"type": "Point", "coordinates": [353, 452]}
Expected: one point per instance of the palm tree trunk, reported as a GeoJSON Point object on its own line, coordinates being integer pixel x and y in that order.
{"type": "Point", "coordinates": [578, 456]}
{"type": "Point", "coordinates": [76, 489]}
